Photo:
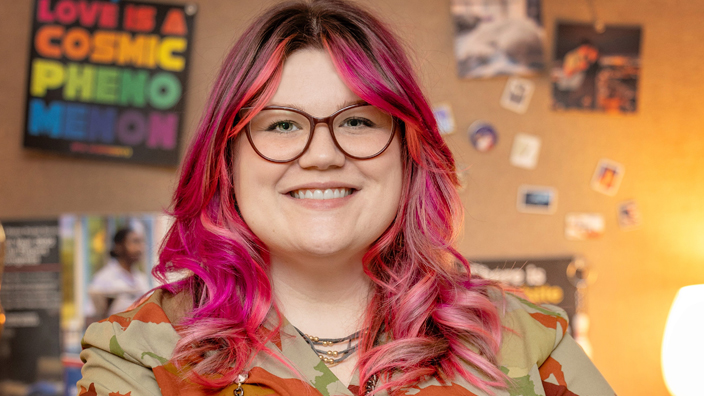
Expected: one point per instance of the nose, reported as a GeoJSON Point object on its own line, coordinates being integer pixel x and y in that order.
{"type": "Point", "coordinates": [322, 153]}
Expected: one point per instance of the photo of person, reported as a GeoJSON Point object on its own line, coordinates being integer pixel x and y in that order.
{"type": "Point", "coordinates": [113, 258]}
{"type": "Point", "coordinates": [498, 37]}
{"type": "Point", "coordinates": [120, 282]}
{"type": "Point", "coordinates": [596, 71]}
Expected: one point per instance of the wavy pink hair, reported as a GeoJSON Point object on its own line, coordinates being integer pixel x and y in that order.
{"type": "Point", "coordinates": [437, 319]}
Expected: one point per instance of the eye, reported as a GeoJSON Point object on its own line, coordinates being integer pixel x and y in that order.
{"type": "Point", "coordinates": [285, 126]}
{"type": "Point", "coordinates": [357, 122]}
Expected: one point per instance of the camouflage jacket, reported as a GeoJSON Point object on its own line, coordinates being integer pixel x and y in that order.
{"type": "Point", "coordinates": [128, 354]}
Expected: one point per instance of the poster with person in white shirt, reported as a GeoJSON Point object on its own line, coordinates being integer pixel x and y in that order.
{"type": "Point", "coordinates": [121, 281]}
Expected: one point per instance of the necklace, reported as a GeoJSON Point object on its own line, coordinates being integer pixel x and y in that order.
{"type": "Point", "coordinates": [331, 357]}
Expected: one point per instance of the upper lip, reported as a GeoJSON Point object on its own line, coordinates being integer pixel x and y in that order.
{"type": "Point", "coordinates": [321, 186]}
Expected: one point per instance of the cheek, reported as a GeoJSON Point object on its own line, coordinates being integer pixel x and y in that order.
{"type": "Point", "coordinates": [392, 174]}
{"type": "Point", "coordinates": [254, 182]}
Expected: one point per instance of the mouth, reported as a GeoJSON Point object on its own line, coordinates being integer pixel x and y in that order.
{"type": "Point", "coordinates": [321, 194]}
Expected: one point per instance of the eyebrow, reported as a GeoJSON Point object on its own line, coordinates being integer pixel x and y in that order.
{"type": "Point", "coordinates": [344, 104]}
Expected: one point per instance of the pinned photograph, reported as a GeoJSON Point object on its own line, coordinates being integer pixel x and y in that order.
{"type": "Point", "coordinates": [483, 136]}
{"type": "Point", "coordinates": [607, 177]}
{"type": "Point", "coordinates": [517, 94]}
{"type": "Point", "coordinates": [629, 217]}
{"type": "Point", "coordinates": [537, 199]}
{"type": "Point", "coordinates": [584, 226]}
{"type": "Point", "coordinates": [444, 118]}
{"type": "Point", "coordinates": [596, 71]}
{"type": "Point", "coordinates": [498, 37]}
{"type": "Point", "coordinates": [525, 151]}
{"type": "Point", "coordinates": [462, 171]}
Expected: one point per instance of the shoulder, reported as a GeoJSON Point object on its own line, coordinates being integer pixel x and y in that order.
{"type": "Point", "coordinates": [131, 352]}
{"type": "Point", "coordinates": [144, 335]}
{"type": "Point", "coordinates": [530, 332]}
{"type": "Point", "coordinates": [122, 353]}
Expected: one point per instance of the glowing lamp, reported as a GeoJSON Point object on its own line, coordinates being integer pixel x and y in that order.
{"type": "Point", "coordinates": [683, 343]}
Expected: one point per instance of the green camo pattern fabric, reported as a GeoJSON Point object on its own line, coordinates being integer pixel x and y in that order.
{"type": "Point", "coordinates": [128, 354]}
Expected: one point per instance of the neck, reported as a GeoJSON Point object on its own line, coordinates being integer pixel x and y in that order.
{"type": "Point", "coordinates": [321, 296]}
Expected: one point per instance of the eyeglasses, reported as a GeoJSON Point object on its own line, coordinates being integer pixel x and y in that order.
{"type": "Point", "coordinates": [283, 134]}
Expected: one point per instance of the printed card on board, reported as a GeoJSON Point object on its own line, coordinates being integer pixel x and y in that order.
{"type": "Point", "coordinates": [517, 94]}
{"type": "Point", "coordinates": [498, 37]}
{"type": "Point", "coordinates": [629, 217]}
{"type": "Point", "coordinates": [607, 177]}
{"type": "Point", "coordinates": [596, 71]}
{"type": "Point", "coordinates": [525, 151]}
{"type": "Point", "coordinates": [444, 118]}
{"type": "Point", "coordinates": [537, 199]}
{"type": "Point", "coordinates": [106, 79]}
{"type": "Point", "coordinates": [584, 226]}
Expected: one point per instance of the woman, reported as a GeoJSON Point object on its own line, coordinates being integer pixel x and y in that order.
{"type": "Point", "coordinates": [120, 282]}
{"type": "Point", "coordinates": [314, 222]}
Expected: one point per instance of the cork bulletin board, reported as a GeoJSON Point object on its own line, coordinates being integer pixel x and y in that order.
{"type": "Point", "coordinates": [636, 271]}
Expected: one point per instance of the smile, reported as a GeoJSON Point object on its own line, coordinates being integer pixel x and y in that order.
{"type": "Point", "coordinates": [321, 194]}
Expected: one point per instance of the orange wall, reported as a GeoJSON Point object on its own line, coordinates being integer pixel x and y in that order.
{"type": "Point", "coordinates": [639, 271]}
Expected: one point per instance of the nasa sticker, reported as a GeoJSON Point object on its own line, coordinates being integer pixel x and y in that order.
{"type": "Point", "coordinates": [483, 136]}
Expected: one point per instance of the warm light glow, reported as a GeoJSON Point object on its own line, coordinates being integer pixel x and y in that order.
{"type": "Point", "coordinates": [683, 343]}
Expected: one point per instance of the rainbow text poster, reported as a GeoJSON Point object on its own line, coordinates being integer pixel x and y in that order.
{"type": "Point", "coordinates": [107, 79]}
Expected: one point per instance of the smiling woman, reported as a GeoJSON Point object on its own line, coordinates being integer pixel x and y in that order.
{"type": "Point", "coordinates": [314, 227]}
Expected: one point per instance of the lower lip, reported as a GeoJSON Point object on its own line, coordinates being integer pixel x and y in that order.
{"type": "Point", "coordinates": [322, 204]}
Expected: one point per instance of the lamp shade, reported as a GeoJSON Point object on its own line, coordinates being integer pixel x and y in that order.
{"type": "Point", "coordinates": [683, 343]}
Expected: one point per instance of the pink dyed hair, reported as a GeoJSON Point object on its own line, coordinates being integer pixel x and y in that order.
{"type": "Point", "coordinates": [437, 319]}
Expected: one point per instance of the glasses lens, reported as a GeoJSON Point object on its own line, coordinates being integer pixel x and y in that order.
{"type": "Point", "coordinates": [279, 134]}
{"type": "Point", "coordinates": [363, 131]}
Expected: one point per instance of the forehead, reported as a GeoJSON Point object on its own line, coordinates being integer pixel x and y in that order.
{"type": "Point", "coordinates": [134, 236]}
{"type": "Point", "coordinates": [310, 82]}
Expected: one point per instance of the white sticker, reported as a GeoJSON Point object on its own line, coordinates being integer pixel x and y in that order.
{"type": "Point", "coordinates": [525, 151]}
{"type": "Point", "coordinates": [444, 118]}
{"type": "Point", "coordinates": [517, 94]}
{"type": "Point", "coordinates": [584, 226]}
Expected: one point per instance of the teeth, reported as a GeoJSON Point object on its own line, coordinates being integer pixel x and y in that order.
{"type": "Point", "coordinates": [322, 194]}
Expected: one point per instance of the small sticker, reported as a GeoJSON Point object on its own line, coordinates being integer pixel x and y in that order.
{"type": "Point", "coordinates": [483, 136]}
{"type": "Point", "coordinates": [584, 226]}
{"type": "Point", "coordinates": [525, 151]}
{"type": "Point", "coordinates": [517, 94]}
{"type": "Point", "coordinates": [629, 217]}
{"type": "Point", "coordinates": [444, 118]}
{"type": "Point", "coordinates": [537, 199]}
{"type": "Point", "coordinates": [607, 177]}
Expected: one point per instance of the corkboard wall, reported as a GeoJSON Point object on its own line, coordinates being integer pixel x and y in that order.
{"type": "Point", "coordinates": [639, 271]}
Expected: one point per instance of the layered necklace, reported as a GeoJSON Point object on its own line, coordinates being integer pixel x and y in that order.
{"type": "Point", "coordinates": [332, 357]}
